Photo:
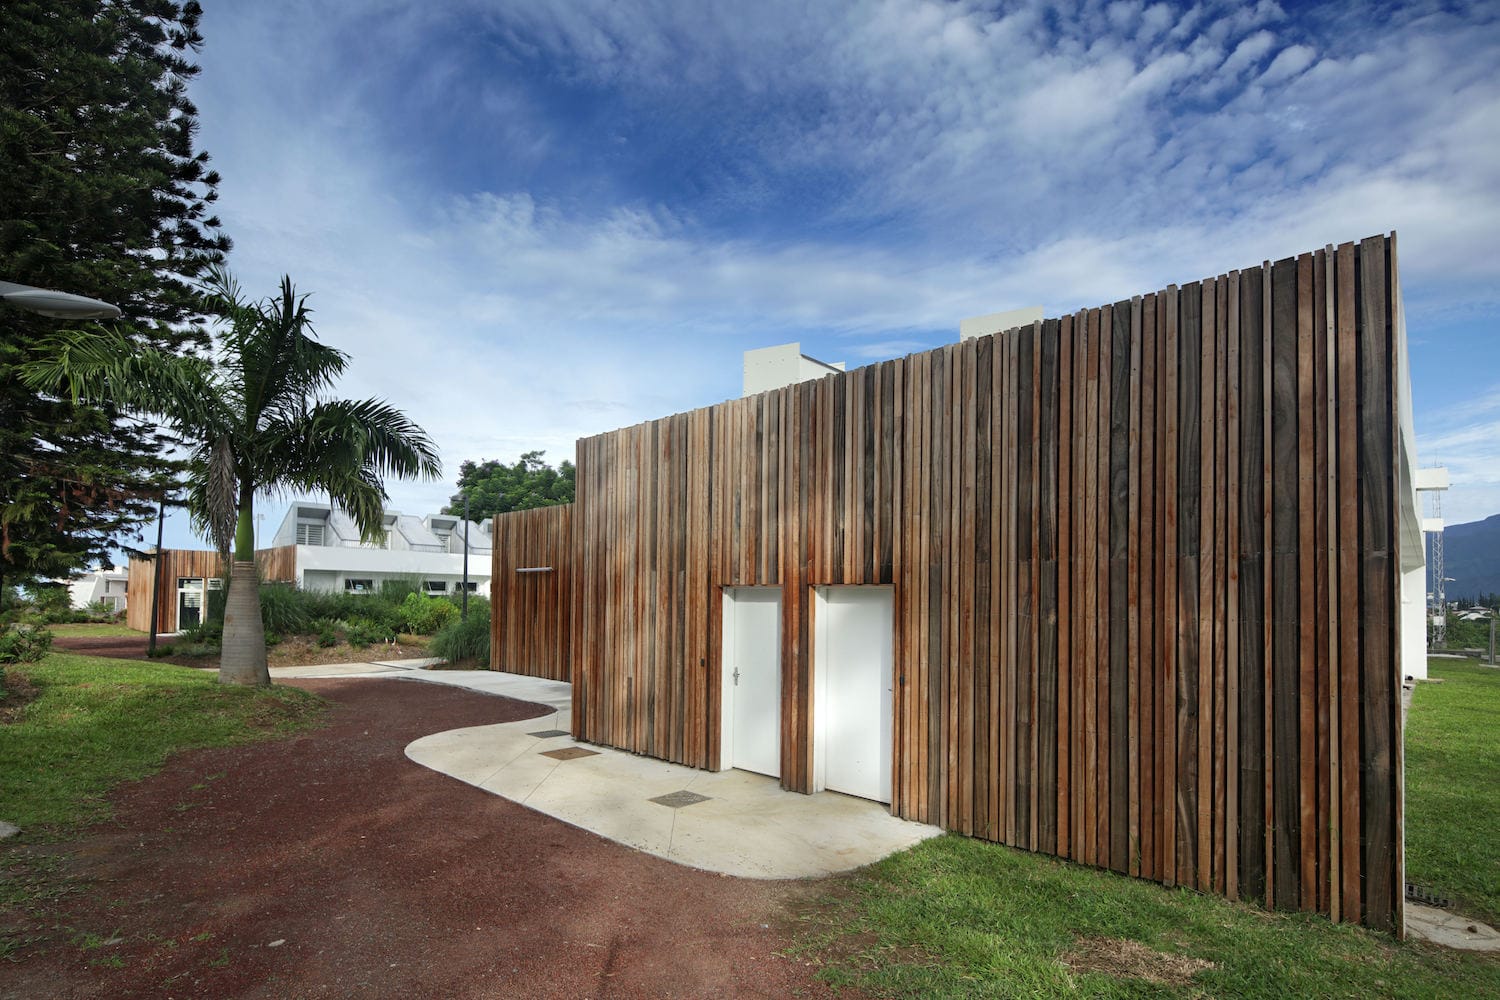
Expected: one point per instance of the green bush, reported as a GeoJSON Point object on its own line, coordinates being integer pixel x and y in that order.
{"type": "Point", "coordinates": [477, 603]}
{"type": "Point", "coordinates": [461, 641]}
{"type": "Point", "coordinates": [209, 633]}
{"type": "Point", "coordinates": [284, 609]}
{"type": "Point", "coordinates": [424, 615]}
{"type": "Point", "coordinates": [397, 589]}
{"type": "Point", "coordinates": [361, 632]}
{"type": "Point", "coordinates": [24, 644]}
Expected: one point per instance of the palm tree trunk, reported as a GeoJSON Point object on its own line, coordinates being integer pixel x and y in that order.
{"type": "Point", "coordinates": [242, 656]}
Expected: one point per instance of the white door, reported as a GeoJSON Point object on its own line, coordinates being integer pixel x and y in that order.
{"type": "Point", "coordinates": [752, 680]}
{"type": "Point", "coordinates": [854, 635]}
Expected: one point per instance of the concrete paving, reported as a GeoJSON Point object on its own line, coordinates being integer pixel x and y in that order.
{"type": "Point", "coordinates": [732, 822]}
{"type": "Point", "coordinates": [1450, 929]}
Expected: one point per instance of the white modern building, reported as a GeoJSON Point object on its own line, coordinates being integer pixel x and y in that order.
{"type": "Point", "coordinates": [769, 368]}
{"type": "Point", "coordinates": [330, 555]}
{"type": "Point", "coordinates": [103, 585]}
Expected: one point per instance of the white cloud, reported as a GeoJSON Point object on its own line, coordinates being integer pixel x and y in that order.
{"type": "Point", "coordinates": [982, 162]}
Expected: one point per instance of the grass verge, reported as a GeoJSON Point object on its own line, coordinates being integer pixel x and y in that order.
{"type": "Point", "coordinates": [1452, 778]}
{"type": "Point", "coordinates": [956, 917]}
{"type": "Point", "coordinates": [92, 723]}
{"type": "Point", "coordinates": [92, 630]}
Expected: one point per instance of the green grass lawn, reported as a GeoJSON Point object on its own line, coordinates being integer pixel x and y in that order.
{"type": "Point", "coordinates": [956, 917]}
{"type": "Point", "coordinates": [94, 629]}
{"type": "Point", "coordinates": [1453, 786]}
{"type": "Point", "coordinates": [96, 722]}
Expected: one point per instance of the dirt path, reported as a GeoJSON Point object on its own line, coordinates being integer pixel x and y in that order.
{"type": "Point", "coordinates": [331, 866]}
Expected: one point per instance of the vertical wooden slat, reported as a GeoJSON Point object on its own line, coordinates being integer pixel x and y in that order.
{"type": "Point", "coordinates": [1144, 563]}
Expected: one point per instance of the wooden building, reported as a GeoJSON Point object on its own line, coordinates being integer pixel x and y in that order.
{"type": "Point", "coordinates": [1123, 587]}
{"type": "Point", "coordinates": [187, 575]}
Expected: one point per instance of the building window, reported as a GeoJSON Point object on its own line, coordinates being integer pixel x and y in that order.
{"type": "Point", "coordinates": [359, 586]}
{"type": "Point", "coordinates": [309, 534]}
{"type": "Point", "coordinates": [471, 585]}
{"type": "Point", "coordinates": [435, 587]}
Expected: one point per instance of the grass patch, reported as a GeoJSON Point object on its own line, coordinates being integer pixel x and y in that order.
{"type": "Point", "coordinates": [1452, 778]}
{"type": "Point", "coordinates": [956, 917]}
{"type": "Point", "coordinates": [101, 630]}
{"type": "Point", "coordinates": [93, 723]}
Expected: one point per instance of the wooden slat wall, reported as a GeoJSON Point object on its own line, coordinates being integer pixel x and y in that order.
{"type": "Point", "coordinates": [278, 564]}
{"type": "Point", "coordinates": [1144, 561]}
{"type": "Point", "coordinates": [531, 613]}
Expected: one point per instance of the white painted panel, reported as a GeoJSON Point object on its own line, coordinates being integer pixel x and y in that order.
{"type": "Point", "coordinates": [752, 680]}
{"type": "Point", "coordinates": [854, 635]}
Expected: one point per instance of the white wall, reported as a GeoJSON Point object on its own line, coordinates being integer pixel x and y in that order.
{"type": "Point", "coordinates": [983, 326]}
{"type": "Point", "coordinates": [324, 567]}
{"type": "Point", "coordinates": [768, 368]}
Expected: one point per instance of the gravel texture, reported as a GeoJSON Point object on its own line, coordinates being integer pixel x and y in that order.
{"type": "Point", "coordinates": [329, 865]}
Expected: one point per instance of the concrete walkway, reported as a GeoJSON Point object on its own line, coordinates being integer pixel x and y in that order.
{"type": "Point", "coordinates": [732, 822]}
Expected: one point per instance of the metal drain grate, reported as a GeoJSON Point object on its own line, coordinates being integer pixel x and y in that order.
{"type": "Point", "coordinates": [547, 734]}
{"type": "Point", "coordinates": [1421, 894]}
{"type": "Point", "coordinates": [569, 753]}
{"type": "Point", "coordinates": [677, 800]}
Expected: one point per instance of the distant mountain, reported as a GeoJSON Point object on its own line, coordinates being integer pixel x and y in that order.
{"type": "Point", "coordinates": [1471, 556]}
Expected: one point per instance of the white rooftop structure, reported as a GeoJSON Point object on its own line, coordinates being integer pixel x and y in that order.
{"type": "Point", "coordinates": [768, 368]}
{"type": "Point", "coordinates": [331, 556]}
{"type": "Point", "coordinates": [982, 326]}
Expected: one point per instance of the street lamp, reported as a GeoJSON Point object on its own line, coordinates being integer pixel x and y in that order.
{"type": "Point", "coordinates": [59, 305]}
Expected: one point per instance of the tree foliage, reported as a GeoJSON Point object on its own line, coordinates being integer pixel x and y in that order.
{"type": "Point", "coordinates": [495, 488]}
{"type": "Point", "coordinates": [256, 413]}
{"type": "Point", "coordinates": [102, 193]}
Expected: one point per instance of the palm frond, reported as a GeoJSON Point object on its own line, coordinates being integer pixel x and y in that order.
{"type": "Point", "coordinates": [101, 366]}
{"type": "Point", "coordinates": [391, 444]}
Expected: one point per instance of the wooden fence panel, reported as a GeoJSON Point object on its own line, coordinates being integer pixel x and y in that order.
{"type": "Point", "coordinates": [531, 591]}
{"type": "Point", "coordinates": [1144, 569]}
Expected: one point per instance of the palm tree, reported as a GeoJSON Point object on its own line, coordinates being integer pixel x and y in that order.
{"type": "Point", "coordinates": [255, 419]}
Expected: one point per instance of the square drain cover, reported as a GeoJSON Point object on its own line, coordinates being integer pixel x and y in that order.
{"type": "Point", "coordinates": [679, 799]}
{"type": "Point", "coordinates": [570, 753]}
{"type": "Point", "coordinates": [547, 734]}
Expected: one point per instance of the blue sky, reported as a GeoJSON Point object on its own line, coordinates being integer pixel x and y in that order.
{"type": "Point", "coordinates": [529, 222]}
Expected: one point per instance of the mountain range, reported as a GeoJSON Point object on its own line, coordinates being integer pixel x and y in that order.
{"type": "Point", "coordinates": [1471, 558]}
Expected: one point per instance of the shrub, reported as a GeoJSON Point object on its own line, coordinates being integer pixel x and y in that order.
{"type": "Point", "coordinates": [397, 589]}
{"type": "Point", "coordinates": [327, 637]}
{"type": "Point", "coordinates": [424, 615]}
{"type": "Point", "coordinates": [209, 633]}
{"type": "Point", "coordinates": [460, 640]}
{"type": "Point", "coordinates": [361, 632]}
{"type": "Point", "coordinates": [165, 649]}
{"type": "Point", "coordinates": [24, 644]}
{"type": "Point", "coordinates": [477, 602]}
{"type": "Point", "coordinates": [284, 609]}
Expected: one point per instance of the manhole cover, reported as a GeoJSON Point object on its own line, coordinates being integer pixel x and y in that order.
{"type": "Point", "coordinates": [1427, 897]}
{"type": "Point", "coordinates": [547, 734]}
{"type": "Point", "coordinates": [569, 753]}
{"type": "Point", "coordinates": [677, 800]}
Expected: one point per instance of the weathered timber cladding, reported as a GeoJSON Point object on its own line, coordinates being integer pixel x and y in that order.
{"type": "Point", "coordinates": [278, 564]}
{"type": "Point", "coordinates": [1144, 564]}
{"type": "Point", "coordinates": [531, 624]}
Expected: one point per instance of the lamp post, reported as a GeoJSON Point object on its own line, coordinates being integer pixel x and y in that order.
{"type": "Point", "coordinates": [161, 518]}
{"type": "Point", "coordinates": [58, 305]}
{"type": "Point", "coordinates": [464, 613]}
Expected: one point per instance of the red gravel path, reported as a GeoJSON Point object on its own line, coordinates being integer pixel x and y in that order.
{"type": "Point", "coordinates": [381, 878]}
{"type": "Point", "coordinates": [122, 647]}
